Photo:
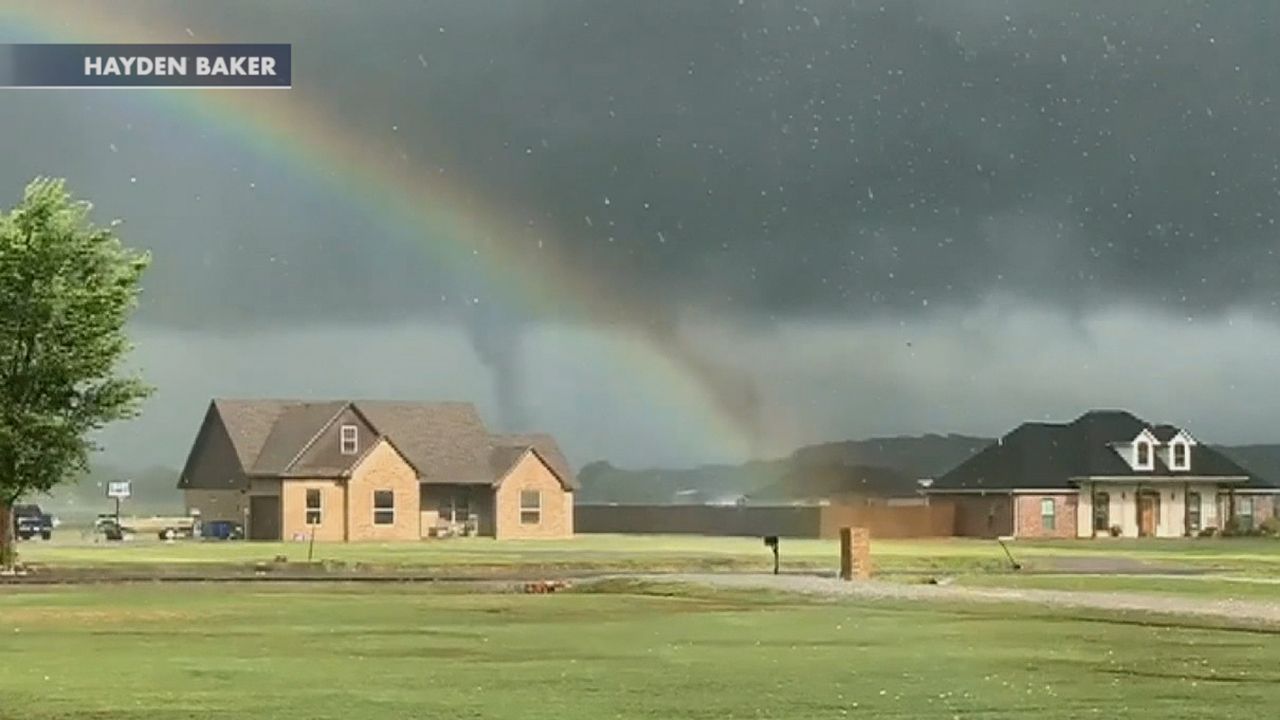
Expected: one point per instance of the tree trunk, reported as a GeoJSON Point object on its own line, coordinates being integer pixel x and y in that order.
{"type": "Point", "coordinates": [8, 537]}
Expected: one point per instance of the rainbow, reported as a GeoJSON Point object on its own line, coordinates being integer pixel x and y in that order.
{"type": "Point", "coordinates": [287, 127]}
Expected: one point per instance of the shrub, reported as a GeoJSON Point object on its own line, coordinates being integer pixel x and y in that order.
{"type": "Point", "coordinates": [1209, 532]}
{"type": "Point", "coordinates": [1269, 527]}
{"type": "Point", "coordinates": [1235, 527]}
{"type": "Point", "coordinates": [1116, 530]}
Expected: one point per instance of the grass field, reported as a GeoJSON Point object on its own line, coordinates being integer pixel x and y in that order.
{"type": "Point", "coordinates": [152, 652]}
{"type": "Point", "coordinates": [617, 552]}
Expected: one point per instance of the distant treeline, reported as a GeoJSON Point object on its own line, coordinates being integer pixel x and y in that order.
{"type": "Point", "coordinates": [889, 466]}
{"type": "Point", "coordinates": [881, 465]}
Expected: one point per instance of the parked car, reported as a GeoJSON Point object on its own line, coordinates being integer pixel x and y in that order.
{"type": "Point", "coordinates": [31, 521]}
{"type": "Point", "coordinates": [222, 530]}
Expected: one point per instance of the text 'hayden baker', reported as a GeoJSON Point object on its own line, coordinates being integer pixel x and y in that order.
{"type": "Point", "coordinates": [178, 66]}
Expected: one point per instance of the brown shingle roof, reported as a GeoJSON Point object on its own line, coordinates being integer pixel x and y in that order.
{"type": "Point", "coordinates": [503, 458]}
{"type": "Point", "coordinates": [446, 442]}
{"type": "Point", "coordinates": [546, 447]}
{"type": "Point", "coordinates": [249, 423]}
{"type": "Point", "coordinates": [294, 430]}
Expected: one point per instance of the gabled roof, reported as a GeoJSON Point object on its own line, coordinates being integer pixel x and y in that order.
{"type": "Point", "coordinates": [249, 423]}
{"type": "Point", "coordinates": [446, 442]}
{"type": "Point", "coordinates": [293, 431]}
{"type": "Point", "coordinates": [1052, 455]}
{"type": "Point", "coordinates": [508, 449]}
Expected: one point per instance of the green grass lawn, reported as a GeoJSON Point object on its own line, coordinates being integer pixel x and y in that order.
{"type": "Point", "coordinates": [636, 552]}
{"type": "Point", "coordinates": [194, 652]}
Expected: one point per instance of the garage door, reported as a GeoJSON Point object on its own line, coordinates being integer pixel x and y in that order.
{"type": "Point", "coordinates": [264, 517]}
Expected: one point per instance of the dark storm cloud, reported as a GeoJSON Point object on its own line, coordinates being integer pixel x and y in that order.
{"type": "Point", "coordinates": [833, 158]}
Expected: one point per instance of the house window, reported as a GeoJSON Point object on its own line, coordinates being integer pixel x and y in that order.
{"type": "Point", "coordinates": [1193, 511]}
{"type": "Point", "coordinates": [1143, 455]}
{"type": "Point", "coordinates": [1180, 459]}
{"type": "Point", "coordinates": [384, 507]}
{"type": "Point", "coordinates": [313, 506]}
{"type": "Point", "coordinates": [530, 507]}
{"type": "Point", "coordinates": [350, 440]}
{"type": "Point", "coordinates": [1102, 512]}
{"type": "Point", "coordinates": [1048, 517]}
{"type": "Point", "coordinates": [1244, 511]}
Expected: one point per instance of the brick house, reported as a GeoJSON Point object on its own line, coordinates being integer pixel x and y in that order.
{"type": "Point", "coordinates": [373, 471]}
{"type": "Point", "coordinates": [1105, 472]}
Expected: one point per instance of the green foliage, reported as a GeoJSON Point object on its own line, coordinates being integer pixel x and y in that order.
{"type": "Point", "coordinates": [67, 288]}
{"type": "Point", "coordinates": [1269, 527]}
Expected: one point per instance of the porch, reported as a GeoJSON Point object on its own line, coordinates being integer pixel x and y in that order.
{"type": "Point", "coordinates": [1164, 509]}
{"type": "Point", "coordinates": [456, 511]}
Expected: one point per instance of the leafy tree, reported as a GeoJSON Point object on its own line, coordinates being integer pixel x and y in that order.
{"type": "Point", "coordinates": [67, 288]}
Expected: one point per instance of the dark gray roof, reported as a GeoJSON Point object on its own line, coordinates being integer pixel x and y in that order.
{"type": "Point", "coordinates": [446, 442]}
{"type": "Point", "coordinates": [1049, 455]}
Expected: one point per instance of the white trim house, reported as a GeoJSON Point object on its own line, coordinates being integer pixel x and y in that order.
{"type": "Point", "coordinates": [1105, 473]}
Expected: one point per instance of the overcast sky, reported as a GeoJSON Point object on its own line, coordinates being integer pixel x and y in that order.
{"type": "Point", "coordinates": [900, 217]}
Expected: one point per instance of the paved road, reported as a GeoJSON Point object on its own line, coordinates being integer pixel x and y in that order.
{"type": "Point", "coordinates": [1267, 612]}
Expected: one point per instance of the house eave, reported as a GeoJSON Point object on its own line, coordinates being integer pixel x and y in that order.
{"type": "Point", "coordinates": [1162, 479]}
{"type": "Point", "coordinates": [455, 481]}
{"type": "Point", "coordinates": [997, 491]}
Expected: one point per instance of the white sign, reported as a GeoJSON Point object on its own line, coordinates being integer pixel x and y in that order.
{"type": "Point", "coordinates": [119, 489]}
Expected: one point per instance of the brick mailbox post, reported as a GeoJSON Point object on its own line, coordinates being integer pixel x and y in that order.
{"type": "Point", "coordinates": [855, 553]}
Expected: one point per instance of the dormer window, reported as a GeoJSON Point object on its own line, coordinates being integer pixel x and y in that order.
{"type": "Point", "coordinates": [1180, 456]}
{"type": "Point", "coordinates": [349, 440]}
{"type": "Point", "coordinates": [1142, 455]}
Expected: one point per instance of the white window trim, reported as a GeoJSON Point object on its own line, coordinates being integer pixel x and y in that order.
{"type": "Point", "coordinates": [377, 509]}
{"type": "Point", "coordinates": [349, 440]}
{"type": "Point", "coordinates": [529, 509]}
{"type": "Point", "coordinates": [1137, 455]}
{"type": "Point", "coordinates": [307, 509]}
{"type": "Point", "coordinates": [1186, 455]}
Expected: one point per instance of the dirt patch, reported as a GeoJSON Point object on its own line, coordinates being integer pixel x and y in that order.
{"type": "Point", "coordinates": [97, 617]}
{"type": "Point", "coordinates": [1095, 565]}
{"type": "Point", "coordinates": [1239, 610]}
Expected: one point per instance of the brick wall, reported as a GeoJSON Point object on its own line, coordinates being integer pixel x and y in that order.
{"type": "Point", "coordinates": [557, 516]}
{"type": "Point", "coordinates": [333, 510]}
{"type": "Point", "coordinates": [1264, 508]}
{"type": "Point", "coordinates": [983, 516]}
{"type": "Point", "coordinates": [383, 469]}
{"type": "Point", "coordinates": [1030, 519]}
{"type": "Point", "coordinates": [217, 505]}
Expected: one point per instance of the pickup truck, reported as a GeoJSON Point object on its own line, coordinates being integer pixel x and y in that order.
{"type": "Point", "coordinates": [32, 521]}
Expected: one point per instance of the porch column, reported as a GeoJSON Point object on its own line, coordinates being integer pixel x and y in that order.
{"type": "Point", "coordinates": [1186, 510]}
{"type": "Point", "coordinates": [1093, 510]}
{"type": "Point", "coordinates": [1137, 508]}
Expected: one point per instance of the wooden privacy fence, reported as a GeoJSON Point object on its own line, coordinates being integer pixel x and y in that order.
{"type": "Point", "coordinates": [804, 521]}
{"type": "Point", "coordinates": [718, 520]}
{"type": "Point", "coordinates": [890, 522]}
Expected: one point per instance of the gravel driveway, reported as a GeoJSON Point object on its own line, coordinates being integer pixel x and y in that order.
{"type": "Point", "coordinates": [1267, 612]}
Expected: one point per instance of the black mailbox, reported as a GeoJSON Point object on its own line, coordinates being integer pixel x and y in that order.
{"type": "Point", "coordinates": [771, 542]}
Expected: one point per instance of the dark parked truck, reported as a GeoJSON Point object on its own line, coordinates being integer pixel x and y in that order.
{"type": "Point", "coordinates": [31, 521]}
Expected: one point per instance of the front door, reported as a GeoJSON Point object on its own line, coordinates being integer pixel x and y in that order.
{"type": "Point", "coordinates": [1148, 510]}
